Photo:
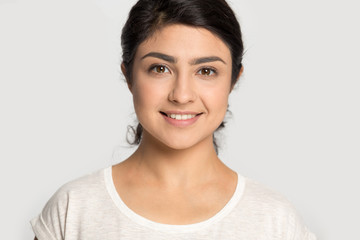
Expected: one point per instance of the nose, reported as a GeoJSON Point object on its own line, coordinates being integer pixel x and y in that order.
{"type": "Point", "coordinates": [183, 90]}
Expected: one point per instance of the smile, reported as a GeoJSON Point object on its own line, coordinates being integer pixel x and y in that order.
{"type": "Point", "coordinates": [181, 117]}
{"type": "Point", "coordinates": [181, 120]}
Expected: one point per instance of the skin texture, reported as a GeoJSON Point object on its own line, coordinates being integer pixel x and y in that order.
{"type": "Point", "coordinates": [175, 168]}
{"type": "Point", "coordinates": [182, 86]}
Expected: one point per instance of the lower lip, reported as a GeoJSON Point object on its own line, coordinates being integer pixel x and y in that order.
{"type": "Point", "coordinates": [181, 123]}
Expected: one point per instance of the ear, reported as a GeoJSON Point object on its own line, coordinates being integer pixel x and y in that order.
{"type": "Point", "coordinates": [237, 79]}
{"type": "Point", "coordinates": [124, 71]}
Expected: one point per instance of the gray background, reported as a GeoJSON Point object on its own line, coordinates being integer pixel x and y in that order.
{"type": "Point", "coordinates": [295, 115]}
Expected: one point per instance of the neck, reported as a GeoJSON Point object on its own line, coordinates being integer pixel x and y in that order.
{"type": "Point", "coordinates": [176, 167]}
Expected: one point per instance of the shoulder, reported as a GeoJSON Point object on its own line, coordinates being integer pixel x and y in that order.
{"type": "Point", "coordinates": [72, 202]}
{"type": "Point", "coordinates": [79, 193]}
{"type": "Point", "coordinates": [274, 212]}
{"type": "Point", "coordinates": [79, 188]}
{"type": "Point", "coordinates": [86, 182]}
{"type": "Point", "coordinates": [261, 195]}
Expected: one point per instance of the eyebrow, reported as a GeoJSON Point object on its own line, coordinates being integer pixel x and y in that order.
{"type": "Point", "coordinates": [172, 59]}
{"type": "Point", "coordinates": [161, 56]}
{"type": "Point", "coordinates": [206, 60]}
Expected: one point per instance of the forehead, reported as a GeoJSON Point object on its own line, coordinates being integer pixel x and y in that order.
{"type": "Point", "coordinates": [185, 42]}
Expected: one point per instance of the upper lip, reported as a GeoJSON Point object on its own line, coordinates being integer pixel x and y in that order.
{"type": "Point", "coordinates": [181, 112]}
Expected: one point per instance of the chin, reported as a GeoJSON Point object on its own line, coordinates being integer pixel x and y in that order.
{"type": "Point", "coordinates": [178, 141]}
{"type": "Point", "coordinates": [184, 144]}
{"type": "Point", "coordinates": [180, 147]}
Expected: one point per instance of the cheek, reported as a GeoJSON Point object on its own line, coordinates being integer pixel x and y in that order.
{"type": "Point", "coordinates": [146, 96]}
{"type": "Point", "coordinates": [141, 98]}
{"type": "Point", "coordinates": [217, 98]}
{"type": "Point", "coordinates": [221, 105]}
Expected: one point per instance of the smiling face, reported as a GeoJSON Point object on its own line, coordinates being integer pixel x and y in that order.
{"type": "Point", "coordinates": [181, 80]}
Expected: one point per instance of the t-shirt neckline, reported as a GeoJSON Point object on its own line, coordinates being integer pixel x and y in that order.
{"type": "Point", "coordinates": [170, 228]}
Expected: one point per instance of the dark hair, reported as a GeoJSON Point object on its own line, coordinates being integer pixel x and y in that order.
{"type": "Point", "coordinates": [148, 16]}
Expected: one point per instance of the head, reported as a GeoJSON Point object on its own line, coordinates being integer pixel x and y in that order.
{"type": "Point", "coordinates": [149, 16]}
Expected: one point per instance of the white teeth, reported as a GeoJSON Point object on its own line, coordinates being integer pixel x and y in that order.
{"type": "Point", "coordinates": [181, 117]}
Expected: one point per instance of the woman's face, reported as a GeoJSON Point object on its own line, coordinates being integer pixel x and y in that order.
{"type": "Point", "coordinates": [181, 81]}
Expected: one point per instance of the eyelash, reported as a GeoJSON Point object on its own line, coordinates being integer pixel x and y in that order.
{"type": "Point", "coordinates": [212, 71]}
{"type": "Point", "coordinates": [152, 69]}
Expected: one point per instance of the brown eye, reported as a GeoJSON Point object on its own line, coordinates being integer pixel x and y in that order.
{"type": "Point", "coordinates": [160, 69]}
{"type": "Point", "coordinates": [206, 71]}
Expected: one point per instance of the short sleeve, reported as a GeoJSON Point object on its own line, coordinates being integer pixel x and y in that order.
{"type": "Point", "coordinates": [40, 229]}
{"type": "Point", "coordinates": [51, 222]}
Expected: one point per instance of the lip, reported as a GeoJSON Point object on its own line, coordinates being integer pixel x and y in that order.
{"type": "Point", "coordinates": [181, 123]}
{"type": "Point", "coordinates": [181, 112]}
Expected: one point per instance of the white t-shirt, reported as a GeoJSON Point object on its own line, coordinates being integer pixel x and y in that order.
{"type": "Point", "coordinates": [90, 208]}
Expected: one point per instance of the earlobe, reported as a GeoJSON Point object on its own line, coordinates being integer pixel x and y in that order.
{"type": "Point", "coordinates": [237, 79]}
{"type": "Point", "coordinates": [123, 70]}
{"type": "Point", "coordinates": [241, 71]}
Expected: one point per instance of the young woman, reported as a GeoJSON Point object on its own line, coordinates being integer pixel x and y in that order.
{"type": "Point", "coordinates": [181, 59]}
